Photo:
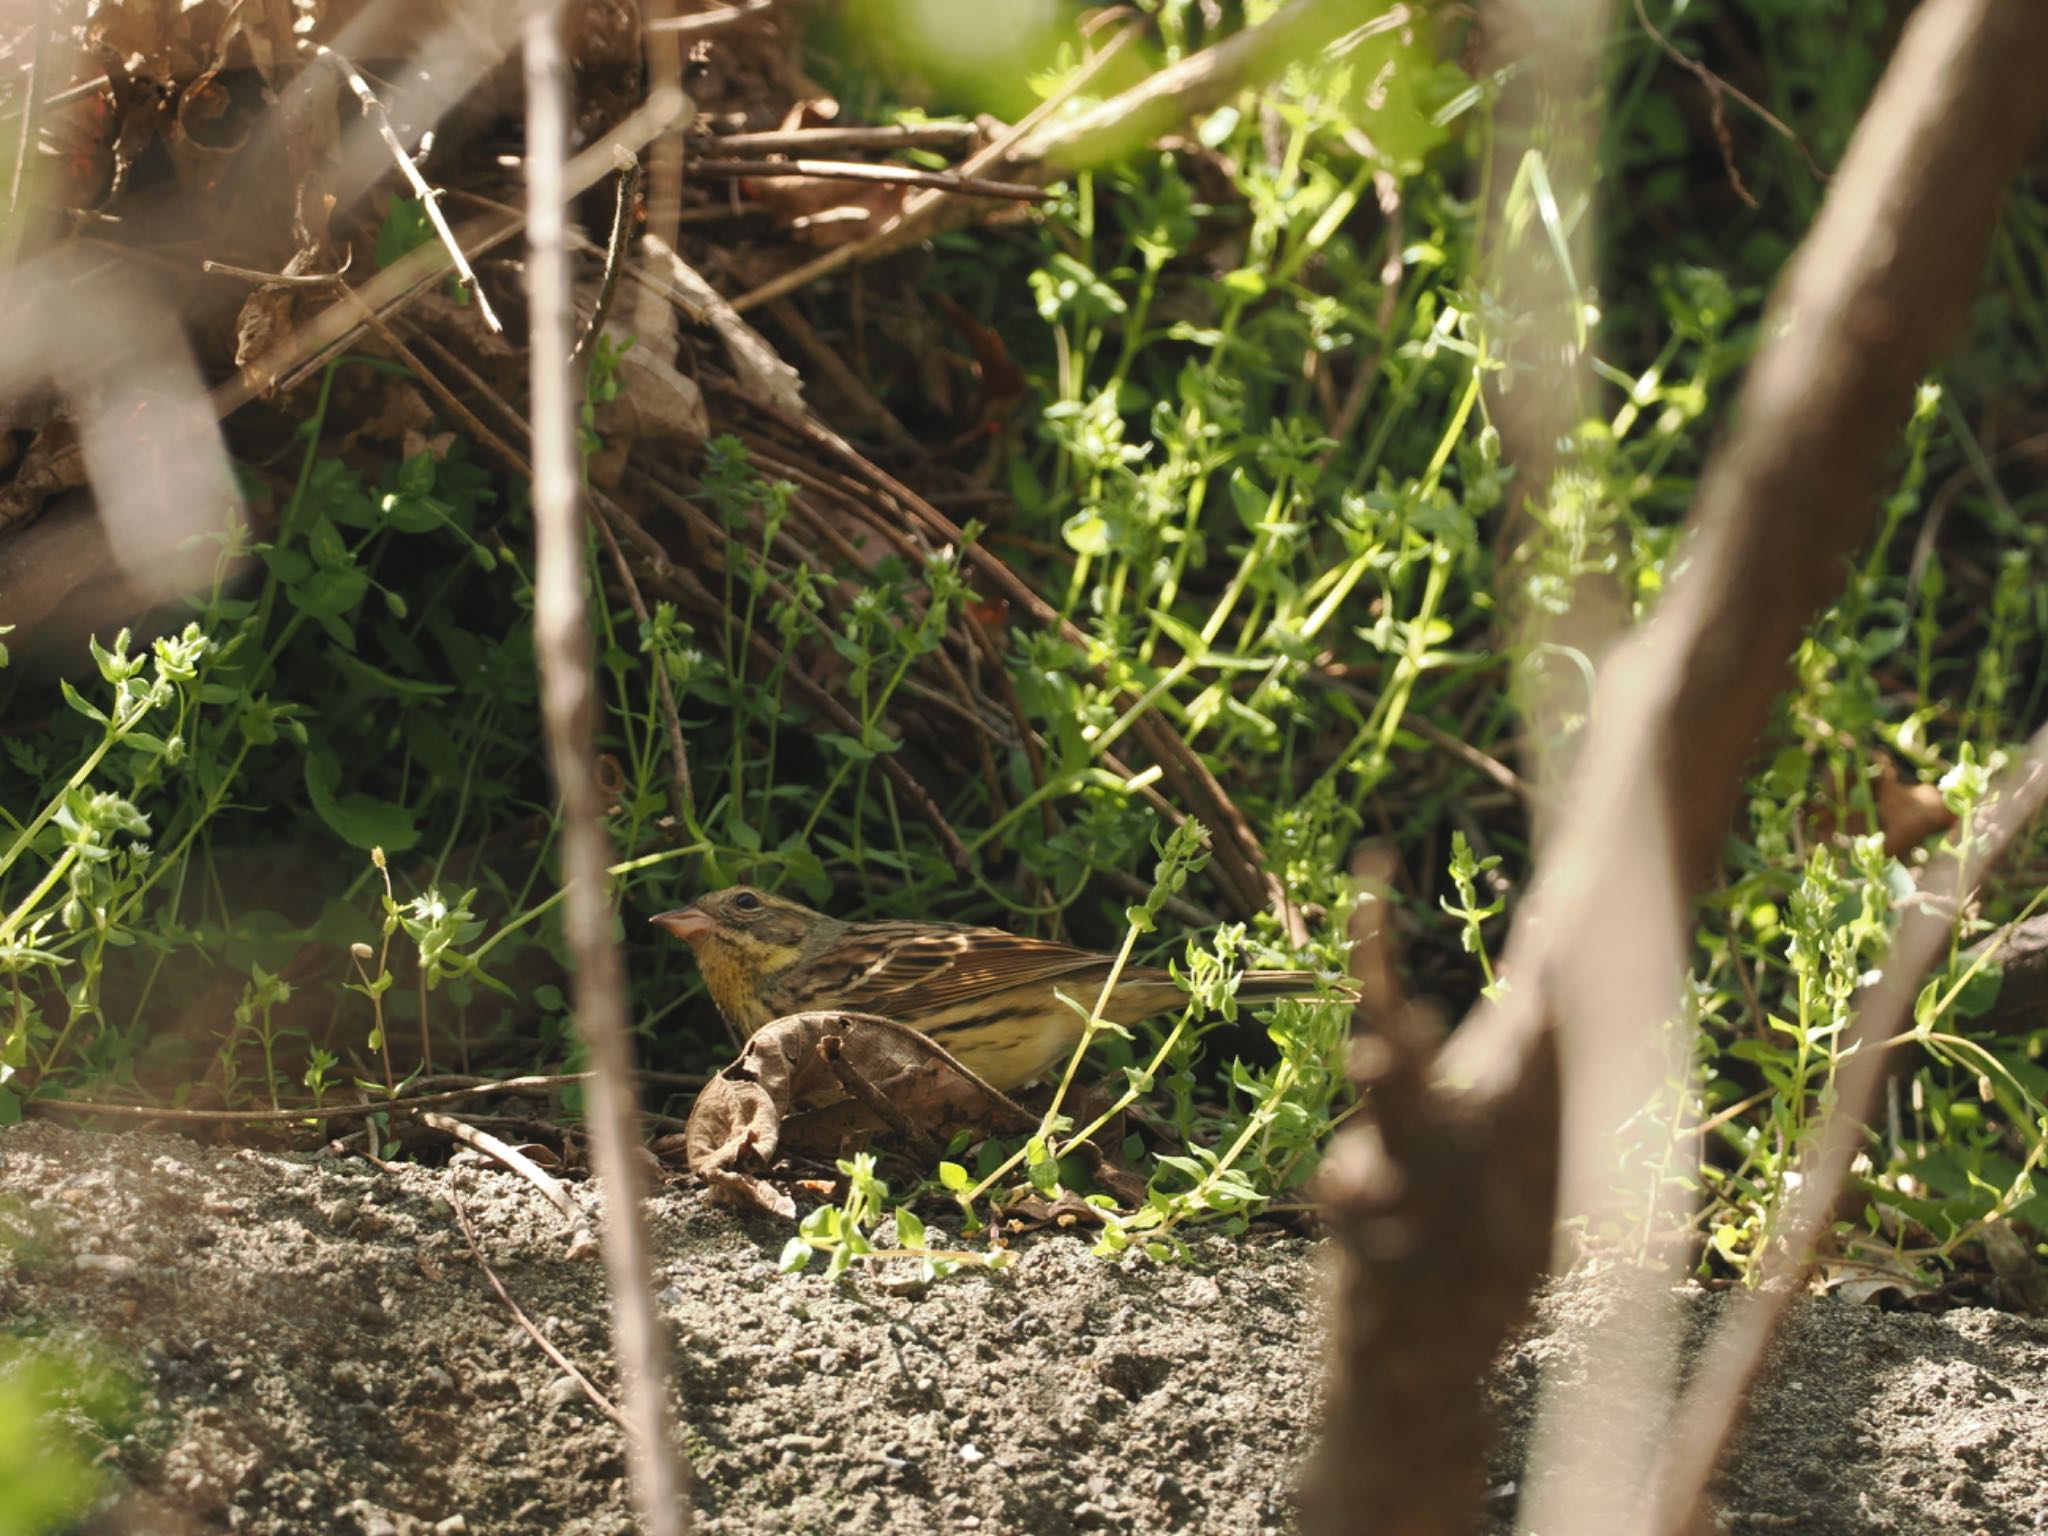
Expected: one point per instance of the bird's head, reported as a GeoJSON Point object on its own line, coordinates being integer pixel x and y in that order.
{"type": "Point", "coordinates": [741, 938]}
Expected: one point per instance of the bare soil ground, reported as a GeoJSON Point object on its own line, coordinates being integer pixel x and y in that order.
{"type": "Point", "coordinates": [312, 1348]}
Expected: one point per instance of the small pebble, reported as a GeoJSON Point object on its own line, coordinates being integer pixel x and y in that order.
{"type": "Point", "coordinates": [971, 1454]}
{"type": "Point", "coordinates": [561, 1392]}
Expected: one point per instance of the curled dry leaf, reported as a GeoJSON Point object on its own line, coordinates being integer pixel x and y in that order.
{"type": "Point", "coordinates": [53, 464]}
{"type": "Point", "coordinates": [1908, 813]}
{"type": "Point", "coordinates": [815, 1082]}
{"type": "Point", "coordinates": [1030, 1213]}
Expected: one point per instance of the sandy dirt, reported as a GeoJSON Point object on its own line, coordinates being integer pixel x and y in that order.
{"type": "Point", "coordinates": [311, 1347]}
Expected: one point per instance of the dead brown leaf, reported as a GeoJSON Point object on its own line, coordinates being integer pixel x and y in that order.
{"type": "Point", "coordinates": [818, 1082]}
{"type": "Point", "coordinates": [1909, 813]}
{"type": "Point", "coordinates": [53, 464]}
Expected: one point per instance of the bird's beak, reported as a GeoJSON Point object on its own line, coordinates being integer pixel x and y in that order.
{"type": "Point", "coordinates": [687, 923]}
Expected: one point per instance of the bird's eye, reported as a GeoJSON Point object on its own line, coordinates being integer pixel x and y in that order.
{"type": "Point", "coordinates": [746, 901]}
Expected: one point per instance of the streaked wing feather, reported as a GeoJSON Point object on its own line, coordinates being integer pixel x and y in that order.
{"type": "Point", "coordinates": [935, 969]}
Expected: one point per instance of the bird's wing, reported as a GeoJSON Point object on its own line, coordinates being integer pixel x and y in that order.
{"type": "Point", "coordinates": [928, 969]}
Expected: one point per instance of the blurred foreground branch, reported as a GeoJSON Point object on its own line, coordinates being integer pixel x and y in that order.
{"type": "Point", "coordinates": [1442, 1196]}
{"type": "Point", "coordinates": [569, 710]}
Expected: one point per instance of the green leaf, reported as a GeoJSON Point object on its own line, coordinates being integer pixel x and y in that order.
{"type": "Point", "coordinates": [1252, 502]}
{"type": "Point", "coordinates": [329, 593]}
{"type": "Point", "coordinates": [845, 745]}
{"type": "Point", "coordinates": [78, 702]}
{"type": "Point", "coordinates": [416, 475]}
{"type": "Point", "coordinates": [326, 545]}
{"type": "Point", "coordinates": [405, 228]}
{"type": "Point", "coordinates": [954, 1177]}
{"type": "Point", "coordinates": [387, 683]}
{"type": "Point", "coordinates": [361, 821]}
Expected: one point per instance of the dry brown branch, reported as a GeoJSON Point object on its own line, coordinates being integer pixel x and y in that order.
{"type": "Point", "coordinates": [796, 140]}
{"type": "Point", "coordinates": [663, 49]}
{"type": "Point", "coordinates": [1712, 1408]}
{"type": "Point", "coordinates": [333, 328]}
{"type": "Point", "coordinates": [922, 211]}
{"type": "Point", "coordinates": [889, 175]}
{"type": "Point", "coordinates": [1441, 1197]}
{"type": "Point", "coordinates": [603, 1404]}
{"type": "Point", "coordinates": [563, 648]}
{"type": "Point", "coordinates": [752, 357]}
{"type": "Point", "coordinates": [682, 796]}
{"type": "Point", "coordinates": [279, 279]}
{"type": "Point", "coordinates": [1718, 92]}
{"type": "Point", "coordinates": [373, 109]}
{"type": "Point", "coordinates": [404, 1104]}
{"type": "Point", "coordinates": [840, 376]}
{"type": "Point", "coordinates": [627, 191]}
{"type": "Point", "coordinates": [582, 1240]}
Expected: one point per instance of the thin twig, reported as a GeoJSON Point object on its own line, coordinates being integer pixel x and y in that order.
{"type": "Point", "coordinates": [840, 375]}
{"type": "Point", "coordinates": [582, 1240]}
{"type": "Point", "coordinates": [921, 210]}
{"type": "Point", "coordinates": [404, 1104]}
{"type": "Point", "coordinates": [713, 19]}
{"type": "Point", "coordinates": [682, 797]}
{"type": "Point", "coordinates": [752, 357]}
{"type": "Point", "coordinates": [796, 140]}
{"type": "Point", "coordinates": [280, 279]}
{"type": "Point", "coordinates": [1471, 756]}
{"type": "Point", "coordinates": [373, 109]}
{"type": "Point", "coordinates": [614, 260]}
{"type": "Point", "coordinates": [327, 333]}
{"type": "Point", "coordinates": [465, 418]}
{"type": "Point", "coordinates": [1239, 861]}
{"type": "Point", "coordinates": [562, 646]}
{"type": "Point", "coordinates": [78, 90]}
{"type": "Point", "coordinates": [603, 1404]}
{"type": "Point", "coordinates": [1717, 88]}
{"type": "Point", "coordinates": [855, 170]}
{"type": "Point", "coordinates": [1707, 1416]}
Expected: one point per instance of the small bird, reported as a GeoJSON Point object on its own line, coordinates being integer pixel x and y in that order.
{"type": "Point", "coordinates": [985, 995]}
